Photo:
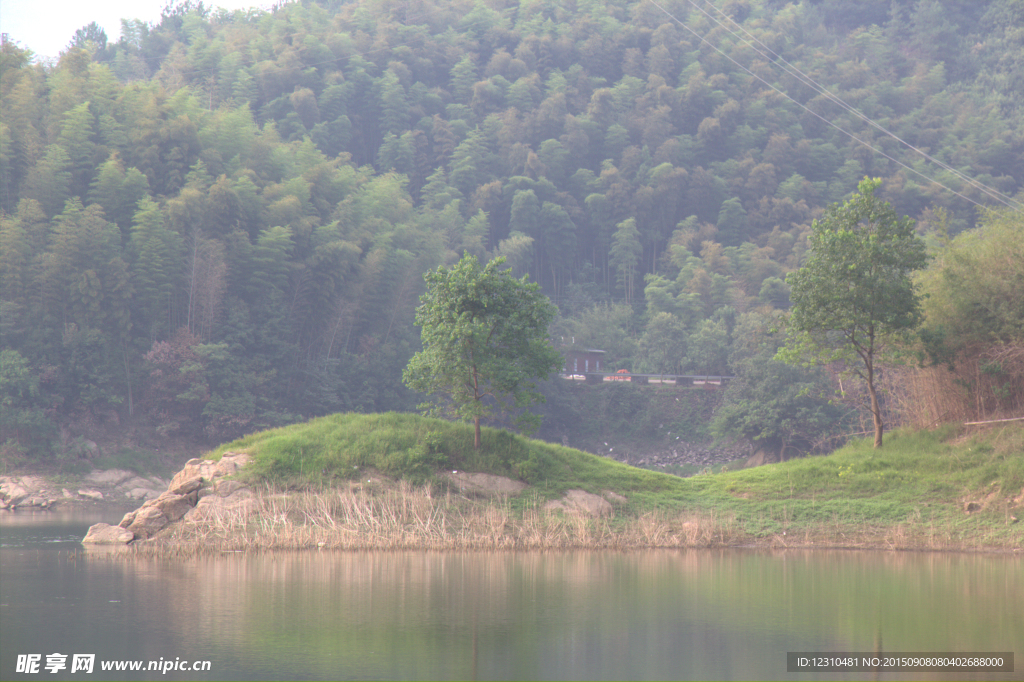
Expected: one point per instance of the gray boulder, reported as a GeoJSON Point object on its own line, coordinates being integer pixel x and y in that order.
{"type": "Point", "coordinates": [241, 502]}
{"type": "Point", "coordinates": [172, 506]}
{"type": "Point", "coordinates": [147, 522]}
{"type": "Point", "coordinates": [105, 534]}
{"type": "Point", "coordinates": [198, 479]}
{"type": "Point", "coordinates": [205, 469]}
{"type": "Point", "coordinates": [142, 494]}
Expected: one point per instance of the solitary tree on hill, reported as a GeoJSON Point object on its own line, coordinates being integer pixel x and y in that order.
{"type": "Point", "coordinates": [485, 335]}
{"type": "Point", "coordinates": [855, 294]}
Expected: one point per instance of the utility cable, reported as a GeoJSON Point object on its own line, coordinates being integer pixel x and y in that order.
{"type": "Point", "coordinates": [817, 87]}
{"type": "Point", "coordinates": [808, 109]}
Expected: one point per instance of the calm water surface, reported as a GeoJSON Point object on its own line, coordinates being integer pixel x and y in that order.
{"type": "Point", "coordinates": [665, 614]}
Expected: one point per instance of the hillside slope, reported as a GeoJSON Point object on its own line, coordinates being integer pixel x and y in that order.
{"type": "Point", "coordinates": [351, 481]}
{"type": "Point", "coordinates": [220, 223]}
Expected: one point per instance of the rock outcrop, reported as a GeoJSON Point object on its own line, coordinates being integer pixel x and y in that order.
{"type": "Point", "coordinates": [20, 492]}
{"type": "Point", "coordinates": [110, 486]}
{"type": "Point", "coordinates": [485, 485]}
{"type": "Point", "coordinates": [198, 481]}
{"type": "Point", "coordinates": [582, 502]}
{"type": "Point", "coordinates": [223, 499]}
{"type": "Point", "coordinates": [204, 493]}
{"type": "Point", "coordinates": [113, 485]}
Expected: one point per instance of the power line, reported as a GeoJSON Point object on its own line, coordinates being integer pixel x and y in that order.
{"type": "Point", "coordinates": [854, 137]}
{"type": "Point", "coordinates": [817, 87]}
{"type": "Point", "coordinates": [769, 55]}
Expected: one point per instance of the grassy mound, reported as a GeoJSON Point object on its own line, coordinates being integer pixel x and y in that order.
{"type": "Point", "coordinates": [916, 490]}
{"type": "Point", "coordinates": [913, 493]}
{"type": "Point", "coordinates": [414, 448]}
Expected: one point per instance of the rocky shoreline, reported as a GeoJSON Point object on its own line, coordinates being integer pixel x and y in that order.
{"type": "Point", "coordinates": [120, 487]}
{"type": "Point", "coordinates": [113, 486]}
{"type": "Point", "coordinates": [199, 489]}
{"type": "Point", "coordinates": [204, 494]}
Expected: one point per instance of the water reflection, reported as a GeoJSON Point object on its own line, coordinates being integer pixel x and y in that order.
{"type": "Point", "coordinates": [668, 614]}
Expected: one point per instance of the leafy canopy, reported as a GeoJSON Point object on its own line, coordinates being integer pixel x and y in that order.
{"type": "Point", "coordinates": [856, 294]}
{"type": "Point", "coordinates": [485, 335]}
{"type": "Point", "coordinates": [782, 408]}
{"type": "Point", "coordinates": [975, 286]}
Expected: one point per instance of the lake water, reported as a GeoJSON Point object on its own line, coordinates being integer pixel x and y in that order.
{"type": "Point", "coordinates": [663, 614]}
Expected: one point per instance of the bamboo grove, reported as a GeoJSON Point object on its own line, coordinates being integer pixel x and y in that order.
{"type": "Point", "coordinates": [221, 221]}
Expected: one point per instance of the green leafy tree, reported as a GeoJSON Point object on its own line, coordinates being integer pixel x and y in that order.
{"type": "Point", "coordinates": [855, 295]}
{"type": "Point", "coordinates": [23, 417]}
{"type": "Point", "coordinates": [50, 179]}
{"type": "Point", "coordinates": [485, 335]}
{"type": "Point", "coordinates": [76, 139]}
{"type": "Point", "coordinates": [974, 316]}
{"type": "Point", "coordinates": [975, 286]}
{"type": "Point", "coordinates": [779, 408]}
{"type": "Point", "coordinates": [463, 76]}
{"type": "Point", "coordinates": [663, 345]}
{"type": "Point", "coordinates": [625, 255]}
{"type": "Point", "coordinates": [156, 254]}
{"type": "Point", "coordinates": [709, 347]}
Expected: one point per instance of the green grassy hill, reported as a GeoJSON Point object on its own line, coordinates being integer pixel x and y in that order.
{"type": "Point", "coordinates": [914, 493]}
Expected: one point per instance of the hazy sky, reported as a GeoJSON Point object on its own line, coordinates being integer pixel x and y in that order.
{"type": "Point", "coordinates": [47, 26]}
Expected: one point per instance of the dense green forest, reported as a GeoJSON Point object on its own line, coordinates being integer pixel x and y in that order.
{"type": "Point", "coordinates": [221, 222]}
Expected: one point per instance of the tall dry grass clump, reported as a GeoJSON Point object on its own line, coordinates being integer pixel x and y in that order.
{"type": "Point", "coordinates": [405, 517]}
{"type": "Point", "coordinates": [983, 384]}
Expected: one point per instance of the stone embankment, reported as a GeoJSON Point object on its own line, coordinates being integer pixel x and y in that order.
{"type": "Point", "coordinates": [112, 486]}
{"type": "Point", "coordinates": [197, 489]}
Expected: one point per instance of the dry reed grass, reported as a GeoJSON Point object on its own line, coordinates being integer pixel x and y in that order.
{"type": "Point", "coordinates": [984, 384]}
{"type": "Point", "coordinates": [399, 516]}
{"type": "Point", "coordinates": [404, 517]}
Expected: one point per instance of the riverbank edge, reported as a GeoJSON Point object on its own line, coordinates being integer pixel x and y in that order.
{"type": "Point", "coordinates": [206, 511]}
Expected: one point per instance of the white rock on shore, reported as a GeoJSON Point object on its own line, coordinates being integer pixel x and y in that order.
{"type": "Point", "coordinates": [105, 534]}
{"type": "Point", "coordinates": [17, 492]}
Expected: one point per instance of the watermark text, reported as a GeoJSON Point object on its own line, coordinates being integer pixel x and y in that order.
{"type": "Point", "coordinates": [914, 662]}
{"type": "Point", "coordinates": [86, 663]}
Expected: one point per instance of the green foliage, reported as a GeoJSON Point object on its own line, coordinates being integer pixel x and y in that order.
{"type": "Point", "coordinates": [663, 347]}
{"type": "Point", "coordinates": [277, 192]}
{"type": "Point", "coordinates": [484, 337]}
{"type": "Point", "coordinates": [625, 256]}
{"type": "Point", "coordinates": [142, 461]}
{"type": "Point", "coordinates": [855, 294]}
{"type": "Point", "coordinates": [350, 446]}
{"type": "Point", "coordinates": [782, 409]}
{"type": "Point", "coordinates": [974, 289]}
{"type": "Point", "coordinates": [23, 417]}
{"type": "Point", "coordinates": [607, 327]}
{"type": "Point", "coordinates": [917, 487]}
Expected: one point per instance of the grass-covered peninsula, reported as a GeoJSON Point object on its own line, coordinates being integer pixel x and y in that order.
{"type": "Point", "coordinates": [385, 481]}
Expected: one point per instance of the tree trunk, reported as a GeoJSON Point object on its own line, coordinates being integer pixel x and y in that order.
{"type": "Point", "coordinates": [876, 412]}
{"type": "Point", "coordinates": [476, 397]}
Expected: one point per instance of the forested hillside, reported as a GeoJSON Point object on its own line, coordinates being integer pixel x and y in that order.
{"type": "Point", "coordinates": [221, 222]}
